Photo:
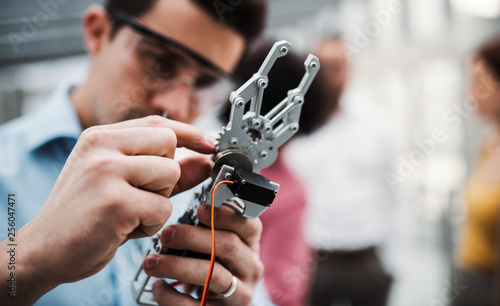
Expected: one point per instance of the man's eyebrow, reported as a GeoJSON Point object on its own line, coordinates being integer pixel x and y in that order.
{"type": "Point", "coordinates": [152, 43]}
{"type": "Point", "coordinates": [163, 50]}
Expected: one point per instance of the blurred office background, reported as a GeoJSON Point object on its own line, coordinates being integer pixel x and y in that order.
{"type": "Point", "coordinates": [411, 66]}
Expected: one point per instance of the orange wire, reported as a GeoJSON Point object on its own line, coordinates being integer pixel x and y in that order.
{"type": "Point", "coordinates": [212, 257]}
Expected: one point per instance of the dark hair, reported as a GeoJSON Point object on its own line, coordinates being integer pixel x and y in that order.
{"type": "Point", "coordinates": [490, 53]}
{"type": "Point", "coordinates": [248, 18]}
{"type": "Point", "coordinates": [286, 74]}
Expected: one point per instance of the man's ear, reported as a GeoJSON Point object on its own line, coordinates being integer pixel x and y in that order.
{"type": "Point", "coordinates": [96, 29]}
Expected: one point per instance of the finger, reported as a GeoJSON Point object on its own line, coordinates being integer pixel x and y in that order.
{"type": "Point", "coordinates": [188, 270]}
{"type": "Point", "coordinates": [141, 213]}
{"type": "Point", "coordinates": [165, 294]}
{"type": "Point", "coordinates": [152, 173]}
{"type": "Point", "coordinates": [229, 249]}
{"type": "Point", "coordinates": [194, 170]}
{"type": "Point", "coordinates": [187, 135]}
{"type": "Point", "coordinates": [228, 219]}
{"type": "Point", "coordinates": [133, 140]}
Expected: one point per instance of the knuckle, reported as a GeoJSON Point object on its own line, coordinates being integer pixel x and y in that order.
{"type": "Point", "coordinates": [218, 275]}
{"type": "Point", "coordinates": [175, 170]}
{"type": "Point", "coordinates": [93, 136]}
{"type": "Point", "coordinates": [246, 298]}
{"type": "Point", "coordinates": [154, 120]}
{"type": "Point", "coordinates": [259, 270]}
{"type": "Point", "coordinates": [164, 210]}
{"type": "Point", "coordinates": [113, 198]}
{"type": "Point", "coordinates": [185, 233]}
{"type": "Point", "coordinates": [102, 165]}
{"type": "Point", "coordinates": [170, 136]}
{"type": "Point", "coordinates": [255, 227]}
{"type": "Point", "coordinates": [230, 245]}
{"type": "Point", "coordinates": [168, 139]}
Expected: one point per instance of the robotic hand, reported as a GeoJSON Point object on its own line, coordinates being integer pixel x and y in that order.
{"type": "Point", "coordinates": [246, 145]}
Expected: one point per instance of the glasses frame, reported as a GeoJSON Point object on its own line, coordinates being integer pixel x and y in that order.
{"type": "Point", "coordinates": [137, 25]}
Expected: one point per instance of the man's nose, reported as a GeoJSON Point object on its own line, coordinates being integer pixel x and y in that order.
{"type": "Point", "coordinates": [176, 101]}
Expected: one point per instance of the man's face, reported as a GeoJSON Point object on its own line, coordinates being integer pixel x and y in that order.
{"type": "Point", "coordinates": [485, 90]}
{"type": "Point", "coordinates": [333, 57]}
{"type": "Point", "coordinates": [133, 75]}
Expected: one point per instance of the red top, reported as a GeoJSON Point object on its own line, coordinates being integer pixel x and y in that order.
{"type": "Point", "coordinates": [286, 255]}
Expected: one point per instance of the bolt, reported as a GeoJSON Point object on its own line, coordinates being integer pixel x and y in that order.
{"type": "Point", "coordinates": [228, 176]}
{"type": "Point", "coordinates": [239, 102]}
{"type": "Point", "coordinates": [299, 100]}
{"type": "Point", "coordinates": [262, 83]}
{"type": "Point", "coordinates": [256, 122]}
{"type": "Point", "coordinates": [284, 50]}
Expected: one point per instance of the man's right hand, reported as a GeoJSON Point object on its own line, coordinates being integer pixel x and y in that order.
{"type": "Point", "coordinates": [114, 186]}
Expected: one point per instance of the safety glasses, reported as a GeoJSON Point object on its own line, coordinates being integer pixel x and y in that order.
{"type": "Point", "coordinates": [166, 64]}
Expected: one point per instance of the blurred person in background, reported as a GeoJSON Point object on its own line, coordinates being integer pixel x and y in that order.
{"type": "Point", "coordinates": [478, 259]}
{"type": "Point", "coordinates": [286, 255]}
{"type": "Point", "coordinates": [349, 202]}
{"type": "Point", "coordinates": [284, 251]}
{"type": "Point", "coordinates": [146, 58]}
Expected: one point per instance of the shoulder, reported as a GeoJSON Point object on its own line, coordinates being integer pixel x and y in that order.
{"type": "Point", "coordinates": [13, 140]}
{"type": "Point", "coordinates": [16, 130]}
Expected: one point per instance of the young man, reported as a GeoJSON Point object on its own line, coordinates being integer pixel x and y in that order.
{"type": "Point", "coordinates": [147, 58]}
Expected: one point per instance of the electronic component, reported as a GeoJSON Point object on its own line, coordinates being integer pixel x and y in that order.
{"type": "Point", "coordinates": [246, 145]}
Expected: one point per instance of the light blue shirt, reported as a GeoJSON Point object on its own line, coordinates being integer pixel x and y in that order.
{"type": "Point", "coordinates": [33, 151]}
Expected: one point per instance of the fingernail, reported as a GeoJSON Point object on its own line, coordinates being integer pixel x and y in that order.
{"type": "Point", "coordinates": [151, 262]}
{"type": "Point", "coordinates": [167, 235]}
{"type": "Point", "coordinates": [210, 140]}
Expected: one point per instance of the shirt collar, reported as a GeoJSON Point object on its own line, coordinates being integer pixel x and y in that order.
{"type": "Point", "coordinates": [58, 120]}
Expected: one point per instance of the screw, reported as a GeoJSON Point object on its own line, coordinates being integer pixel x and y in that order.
{"type": "Point", "coordinates": [239, 102]}
{"type": "Point", "coordinates": [228, 176]}
{"type": "Point", "coordinates": [284, 50]}
{"type": "Point", "coordinates": [268, 128]}
{"type": "Point", "coordinates": [276, 192]}
{"type": "Point", "coordinates": [298, 100]}
{"type": "Point", "coordinates": [294, 127]}
{"type": "Point", "coordinates": [262, 83]}
{"type": "Point", "coordinates": [256, 161]}
{"type": "Point", "coordinates": [263, 154]}
{"type": "Point", "coordinates": [256, 122]}
{"type": "Point", "coordinates": [314, 65]}
{"type": "Point", "coordinates": [236, 195]}
{"type": "Point", "coordinates": [243, 182]}
{"type": "Point", "coordinates": [234, 141]}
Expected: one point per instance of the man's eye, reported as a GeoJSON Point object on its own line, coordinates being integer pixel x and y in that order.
{"type": "Point", "coordinates": [158, 66]}
{"type": "Point", "coordinates": [205, 80]}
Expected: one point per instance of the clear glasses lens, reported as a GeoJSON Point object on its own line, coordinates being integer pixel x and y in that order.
{"type": "Point", "coordinates": [165, 67]}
